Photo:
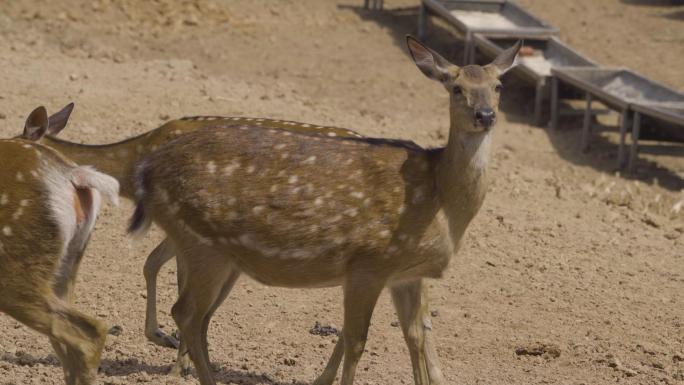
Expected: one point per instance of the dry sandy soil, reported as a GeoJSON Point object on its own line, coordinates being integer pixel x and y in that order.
{"type": "Point", "coordinates": [565, 251]}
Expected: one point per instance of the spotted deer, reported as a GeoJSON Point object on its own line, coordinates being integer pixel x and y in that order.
{"type": "Point", "coordinates": [48, 208]}
{"type": "Point", "coordinates": [119, 159]}
{"type": "Point", "coordinates": [298, 210]}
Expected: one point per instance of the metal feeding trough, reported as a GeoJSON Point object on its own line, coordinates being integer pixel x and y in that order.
{"type": "Point", "coordinates": [500, 18]}
{"type": "Point", "coordinates": [630, 93]}
{"type": "Point", "coordinates": [535, 60]}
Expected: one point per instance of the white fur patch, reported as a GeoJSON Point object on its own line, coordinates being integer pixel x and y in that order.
{"type": "Point", "coordinates": [88, 177]}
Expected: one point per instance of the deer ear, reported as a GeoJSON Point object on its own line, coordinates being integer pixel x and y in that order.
{"type": "Point", "coordinates": [59, 120]}
{"type": "Point", "coordinates": [506, 59]}
{"type": "Point", "coordinates": [432, 64]}
{"type": "Point", "coordinates": [36, 124]}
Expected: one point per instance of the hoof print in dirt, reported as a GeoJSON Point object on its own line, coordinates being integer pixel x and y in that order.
{"type": "Point", "coordinates": [547, 351]}
{"type": "Point", "coordinates": [324, 330]}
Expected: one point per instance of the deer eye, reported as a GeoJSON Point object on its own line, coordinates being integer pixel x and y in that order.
{"type": "Point", "coordinates": [457, 90]}
{"type": "Point", "coordinates": [498, 88]}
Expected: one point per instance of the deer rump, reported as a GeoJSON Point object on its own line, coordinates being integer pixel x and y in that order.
{"type": "Point", "coordinates": [75, 201]}
{"type": "Point", "coordinates": [289, 209]}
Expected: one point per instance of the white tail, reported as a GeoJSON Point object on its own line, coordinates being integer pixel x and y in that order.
{"type": "Point", "coordinates": [88, 177]}
{"type": "Point", "coordinates": [299, 210]}
{"type": "Point", "coordinates": [48, 207]}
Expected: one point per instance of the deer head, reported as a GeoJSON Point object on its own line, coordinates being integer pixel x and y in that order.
{"type": "Point", "coordinates": [474, 90]}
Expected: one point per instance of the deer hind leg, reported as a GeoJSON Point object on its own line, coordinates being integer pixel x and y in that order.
{"type": "Point", "coordinates": [204, 284]}
{"type": "Point", "coordinates": [78, 340]}
{"type": "Point", "coordinates": [182, 366]}
{"type": "Point", "coordinates": [84, 338]}
{"type": "Point", "coordinates": [157, 258]}
{"type": "Point", "coordinates": [62, 354]}
{"type": "Point", "coordinates": [361, 292]}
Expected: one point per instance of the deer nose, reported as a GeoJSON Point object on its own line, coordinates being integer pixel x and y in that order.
{"type": "Point", "coordinates": [485, 117]}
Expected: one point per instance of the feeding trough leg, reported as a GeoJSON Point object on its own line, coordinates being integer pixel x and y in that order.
{"type": "Point", "coordinates": [365, 4]}
{"type": "Point", "coordinates": [586, 128]}
{"type": "Point", "coordinates": [538, 98]}
{"type": "Point", "coordinates": [636, 127]}
{"type": "Point", "coordinates": [553, 124]}
{"type": "Point", "coordinates": [422, 21]}
{"type": "Point", "coordinates": [624, 123]}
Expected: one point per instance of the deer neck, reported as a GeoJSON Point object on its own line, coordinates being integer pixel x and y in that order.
{"type": "Point", "coordinates": [116, 159]}
{"type": "Point", "coordinates": [461, 177]}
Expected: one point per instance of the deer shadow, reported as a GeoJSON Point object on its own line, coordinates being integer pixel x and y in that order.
{"type": "Point", "coordinates": [126, 367]}
{"type": "Point", "coordinates": [121, 368]}
{"type": "Point", "coordinates": [517, 102]}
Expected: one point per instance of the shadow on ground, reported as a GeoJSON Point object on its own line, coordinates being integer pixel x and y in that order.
{"type": "Point", "coordinates": [117, 368]}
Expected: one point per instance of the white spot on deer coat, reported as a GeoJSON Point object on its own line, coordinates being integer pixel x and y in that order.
{"type": "Point", "coordinates": [279, 146]}
{"type": "Point", "coordinates": [248, 241]}
{"type": "Point", "coordinates": [4, 199]}
{"type": "Point", "coordinates": [230, 169]}
{"type": "Point", "coordinates": [7, 231]}
{"type": "Point", "coordinates": [20, 177]}
{"type": "Point", "coordinates": [258, 209]}
{"type": "Point", "coordinates": [293, 179]}
{"type": "Point", "coordinates": [357, 194]}
{"type": "Point", "coordinates": [351, 212]}
{"type": "Point", "coordinates": [18, 213]}
{"type": "Point", "coordinates": [310, 160]}
{"type": "Point", "coordinates": [211, 167]}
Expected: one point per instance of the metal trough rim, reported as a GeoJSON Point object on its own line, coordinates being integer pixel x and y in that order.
{"type": "Point", "coordinates": [568, 74]}
{"type": "Point", "coordinates": [544, 29]}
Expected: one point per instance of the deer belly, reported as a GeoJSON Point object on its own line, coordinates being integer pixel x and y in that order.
{"type": "Point", "coordinates": [291, 264]}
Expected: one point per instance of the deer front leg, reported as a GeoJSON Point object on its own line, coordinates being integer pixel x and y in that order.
{"type": "Point", "coordinates": [407, 301]}
{"type": "Point", "coordinates": [410, 301]}
{"type": "Point", "coordinates": [401, 296]}
{"type": "Point", "coordinates": [361, 292]}
{"type": "Point", "coordinates": [431, 358]}
{"type": "Point", "coordinates": [157, 258]}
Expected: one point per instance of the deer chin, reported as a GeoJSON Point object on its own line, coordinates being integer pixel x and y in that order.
{"type": "Point", "coordinates": [477, 128]}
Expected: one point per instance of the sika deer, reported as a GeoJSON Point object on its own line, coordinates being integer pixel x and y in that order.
{"type": "Point", "coordinates": [297, 210]}
{"type": "Point", "coordinates": [48, 208]}
{"type": "Point", "coordinates": [119, 159]}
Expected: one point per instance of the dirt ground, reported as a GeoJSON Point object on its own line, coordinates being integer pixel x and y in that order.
{"type": "Point", "coordinates": [565, 251]}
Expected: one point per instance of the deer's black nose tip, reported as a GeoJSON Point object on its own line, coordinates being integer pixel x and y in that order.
{"type": "Point", "coordinates": [485, 116]}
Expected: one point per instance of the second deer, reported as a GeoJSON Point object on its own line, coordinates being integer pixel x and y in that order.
{"type": "Point", "coordinates": [48, 208]}
{"type": "Point", "coordinates": [297, 210]}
